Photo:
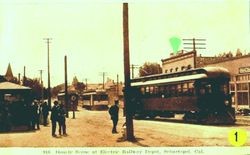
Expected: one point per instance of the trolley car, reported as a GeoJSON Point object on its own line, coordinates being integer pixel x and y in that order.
{"type": "Point", "coordinates": [202, 95]}
{"type": "Point", "coordinates": [72, 100]}
{"type": "Point", "coordinates": [95, 100]}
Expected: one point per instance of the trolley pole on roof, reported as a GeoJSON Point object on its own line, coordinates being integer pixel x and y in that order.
{"type": "Point", "coordinates": [66, 87]}
{"type": "Point", "coordinates": [127, 102]}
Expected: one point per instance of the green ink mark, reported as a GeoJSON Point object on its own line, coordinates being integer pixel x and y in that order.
{"type": "Point", "coordinates": [175, 43]}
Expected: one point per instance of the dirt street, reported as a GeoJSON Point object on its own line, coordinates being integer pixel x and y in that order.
{"type": "Point", "coordinates": [93, 128]}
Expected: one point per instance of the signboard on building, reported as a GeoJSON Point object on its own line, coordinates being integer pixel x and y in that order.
{"type": "Point", "coordinates": [243, 70]}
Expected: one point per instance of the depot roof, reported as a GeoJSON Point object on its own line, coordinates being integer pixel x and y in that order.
{"type": "Point", "coordinates": [12, 86]}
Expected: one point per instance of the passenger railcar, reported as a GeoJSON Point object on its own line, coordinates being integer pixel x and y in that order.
{"type": "Point", "coordinates": [202, 95]}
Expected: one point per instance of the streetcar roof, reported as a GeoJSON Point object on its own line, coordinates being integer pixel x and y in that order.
{"type": "Point", "coordinates": [169, 80]}
{"type": "Point", "coordinates": [193, 74]}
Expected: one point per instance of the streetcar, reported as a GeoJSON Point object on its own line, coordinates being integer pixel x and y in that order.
{"type": "Point", "coordinates": [201, 94]}
{"type": "Point", "coordinates": [72, 100]}
{"type": "Point", "coordinates": [95, 100]}
{"type": "Point", "coordinates": [15, 103]}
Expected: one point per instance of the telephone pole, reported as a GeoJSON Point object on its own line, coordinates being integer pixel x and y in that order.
{"type": "Point", "coordinates": [24, 76]}
{"type": "Point", "coordinates": [66, 87]}
{"type": "Point", "coordinates": [127, 101]}
{"type": "Point", "coordinates": [86, 84]}
{"type": "Point", "coordinates": [196, 44]}
{"type": "Point", "coordinates": [117, 86]}
{"type": "Point", "coordinates": [41, 80]}
{"type": "Point", "coordinates": [103, 79]}
{"type": "Point", "coordinates": [133, 68]}
{"type": "Point", "coordinates": [49, 89]}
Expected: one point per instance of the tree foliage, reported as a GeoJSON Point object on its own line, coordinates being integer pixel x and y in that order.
{"type": "Point", "coordinates": [150, 68]}
{"type": "Point", "coordinates": [79, 86]}
{"type": "Point", "coordinates": [35, 85]}
{"type": "Point", "coordinates": [55, 90]}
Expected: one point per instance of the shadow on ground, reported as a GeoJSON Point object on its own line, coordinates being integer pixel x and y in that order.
{"type": "Point", "coordinates": [135, 141]}
{"type": "Point", "coordinates": [18, 129]}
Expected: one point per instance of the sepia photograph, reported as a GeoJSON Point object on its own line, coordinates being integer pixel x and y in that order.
{"type": "Point", "coordinates": [115, 77]}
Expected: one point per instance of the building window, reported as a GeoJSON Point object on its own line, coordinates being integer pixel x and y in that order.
{"type": "Point", "coordinates": [189, 67]}
{"type": "Point", "coordinates": [232, 87]}
{"type": "Point", "coordinates": [183, 67]}
{"type": "Point", "coordinates": [242, 86]}
{"type": "Point", "coordinates": [176, 69]}
{"type": "Point", "coordinates": [166, 71]}
{"type": "Point", "coordinates": [171, 70]}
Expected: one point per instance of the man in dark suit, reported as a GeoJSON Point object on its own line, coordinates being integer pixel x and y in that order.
{"type": "Point", "coordinates": [61, 120]}
{"type": "Point", "coordinates": [45, 112]}
{"type": "Point", "coordinates": [54, 117]}
{"type": "Point", "coordinates": [113, 111]}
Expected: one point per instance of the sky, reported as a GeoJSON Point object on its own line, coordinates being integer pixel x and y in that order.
{"type": "Point", "coordinates": [90, 33]}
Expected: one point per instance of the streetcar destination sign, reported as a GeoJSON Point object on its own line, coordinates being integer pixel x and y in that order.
{"type": "Point", "coordinates": [243, 70]}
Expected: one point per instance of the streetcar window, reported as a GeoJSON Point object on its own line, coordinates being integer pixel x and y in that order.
{"type": "Point", "coordinates": [202, 91]}
{"type": "Point", "coordinates": [161, 89]}
{"type": "Point", "coordinates": [143, 90]}
{"type": "Point", "coordinates": [179, 91]}
{"type": "Point", "coordinates": [166, 91]}
{"type": "Point", "coordinates": [151, 90]}
{"type": "Point", "coordinates": [147, 89]}
{"type": "Point", "coordinates": [190, 88]}
{"type": "Point", "coordinates": [156, 91]}
{"type": "Point", "coordinates": [185, 88]}
{"type": "Point", "coordinates": [173, 90]}
{"type": "Point", "coordinates": [208, 88]}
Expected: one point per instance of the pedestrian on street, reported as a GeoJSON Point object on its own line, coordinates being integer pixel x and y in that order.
{"type": "Point", "coordinates": [61, 120]}
{"type": "Point", "coordinates": [37, 113]}
{"type": "Point", "coordinates": [45, 112]}
{"type": "Point", "coordinates": [54, 117]}
{"type": "Point", "coordinates": [113, 111]}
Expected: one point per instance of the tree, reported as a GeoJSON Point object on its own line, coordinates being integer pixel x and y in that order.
{"type": "Point", "coordinates": [36, 87]}
{"type": "Point", "coordinates": [79, 86]}
{"type": "Point", "coordinates": [238, 53]}
{"type": "Point", "coordinates": [75, 81]}
{"type": "Point", "coordinates": [2, 78]}
{"type": "Point", "coordinates": [150, 68]}
{"type": "Point", "coordinates": [57, 89]}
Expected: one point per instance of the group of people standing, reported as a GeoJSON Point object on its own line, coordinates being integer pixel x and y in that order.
{"type": "Point", "coordinates": [58, 115]}
{"type": "Point", "coordinates": [36, 110]}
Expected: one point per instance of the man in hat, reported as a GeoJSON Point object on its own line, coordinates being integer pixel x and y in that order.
{"type": "Point", "coordinates": [54, 117]}
{"type": "Point", "coordinates": [113, 111]}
